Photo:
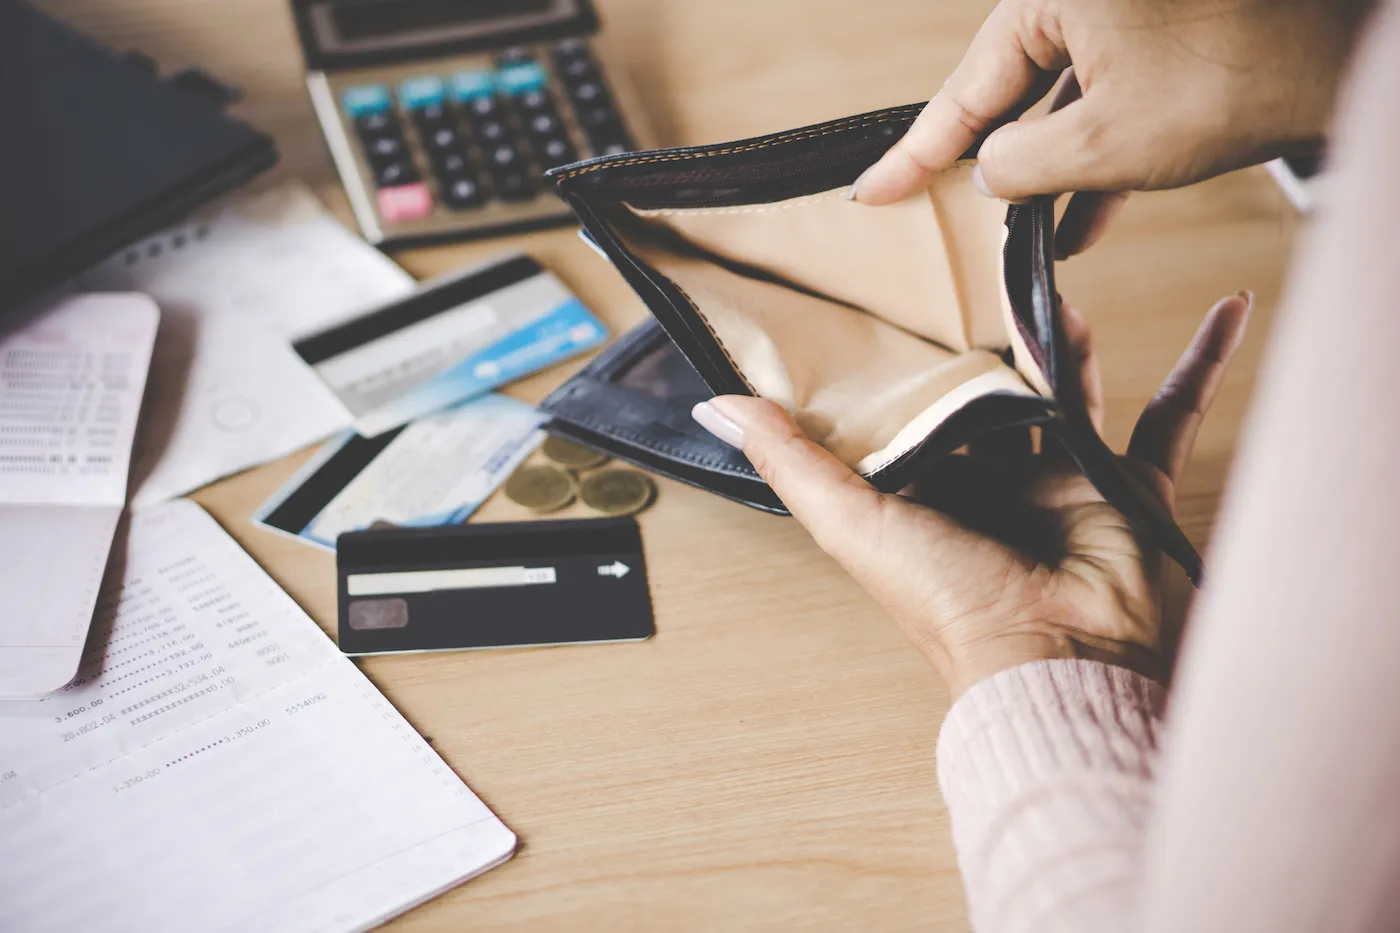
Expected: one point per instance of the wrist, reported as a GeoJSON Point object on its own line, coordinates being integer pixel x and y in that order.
{"type": "Point", "coordinates": [970, 664]}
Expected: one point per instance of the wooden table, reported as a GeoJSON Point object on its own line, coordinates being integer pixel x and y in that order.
{"type": "Point", "coordinates": [767, 760]}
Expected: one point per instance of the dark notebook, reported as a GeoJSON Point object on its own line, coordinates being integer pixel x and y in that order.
{"type": "Point", "coordinates": [97, 152]}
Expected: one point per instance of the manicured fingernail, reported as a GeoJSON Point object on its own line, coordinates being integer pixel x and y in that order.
{"type": "Point", "coordinates": [1248, 297]}
{"type": "Point", "coordinates": [851, 191]}
{"type": "Point", "coordinates": [719, 424]}
{"type": "Point", "coordinates": [980, 183]}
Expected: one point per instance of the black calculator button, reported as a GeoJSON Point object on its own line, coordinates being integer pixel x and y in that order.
{"type": "Point", "coordinates": [544, 123]}
{"type": "Point", "coordinates": [555, 151]}
{"type": "Point", "coordinates": [535, 100]}
{"type": "Point", "coordinates": [492, 131]}
{"type": "Point", "coordinates": [441, 138]}
{"type": "Point", "coordinates": [514, 56]}
{"type": "Point", "coordinates": [431, 114]}
{"type": "Point", "coordinates": [377, 124]}
{"type": "Point", "coordinates": [613, 148]}
{"type": "Point", "coordinates": [514, 186]}
{"type": "Point", "coordinates": [504, 158]}
{"type": "Point", "coordinates": [451, 163]}
{"type": "Point", "coordinates": [577, 69]}
{"type": "Point", "coordinates": [397, 172]}
{"type": "Point", "coordinates": [590, 93]}
{"type": "Point", "coordinates": [460, 192]}
{"type": "Point", "coordinates": [384, 148]}
{"type": "Point", "coordinates": [482, 108]}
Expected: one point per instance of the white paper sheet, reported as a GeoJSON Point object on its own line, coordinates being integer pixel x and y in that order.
{"type": "Point", "coordinates": [234, 286]}
{"type": "Point", "coordinates": [219, 765]}
{"type": "Point", "coordinates": [71, 380]}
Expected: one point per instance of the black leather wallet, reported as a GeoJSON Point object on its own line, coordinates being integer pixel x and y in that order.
{"type": "Point", "coordinates": [894, 334]}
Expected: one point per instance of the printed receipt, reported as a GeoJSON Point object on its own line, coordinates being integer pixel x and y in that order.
{"type": "Point", "coordinates": [71, 382]}
{"type": "Point", "coordinates": [219, 765]}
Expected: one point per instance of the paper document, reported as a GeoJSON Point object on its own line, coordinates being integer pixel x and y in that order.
{"type": "Point", "coordinates": [436, 471]}
{"type": "Point", "coordinates": [71, 380]}
{"type": "Point", "coordinates": [219, 765]}
{"type": "Point", "coordinates": [234, 286]}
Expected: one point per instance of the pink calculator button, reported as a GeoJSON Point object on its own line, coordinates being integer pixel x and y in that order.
{"type": "Point", "coordinates": [405, 202]}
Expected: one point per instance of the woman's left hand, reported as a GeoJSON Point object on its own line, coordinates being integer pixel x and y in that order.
{"type": "Point", "coordinates": [1000, 557]}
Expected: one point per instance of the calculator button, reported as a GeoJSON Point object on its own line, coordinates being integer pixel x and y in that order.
{"type": "Point", "coordinates": [544, 124]}
{"type": "Point", "coordinates": [451, 163]}
{"type": "Point", "coordinates": [504, 157]}
{"type": "Point", "coordinates": [460, 192]}
{"type": "Point", "coordinates": [417, 93]}
{"type": "Point", "coordinates": [590, 92]}
{"type": "Point", "coordinates": [405, 202]}
{"type": "Point", "coordinates": [514, 56]}
{"type": "Point", "coordinates": [613, 148]}
{"type": "Point", "coordinates": [441, 138]}
{"type": "Point", "coordinates": [467, 86]}
{"type": "Point", "coordinates": [397, 172]}
{"type": "Point", "coordinates": [482, 108]}
{"type": "Point", "coordinates": [521, 78]}
{"type": "Point", "coordinates": [432, 114]}
{"type": "Point", "coordinates": [384, 148]}
{"type": "Point", "coordinates": [365, 99]}
{"type": "Point", "coordinates": [492, 131]}
{"type": "Point", "coordinates": [577, 68]}
{"type": "Point", "coordinates": [555, 151]}
{"type": "Point", "coordinates": [535, 100]}
{"type": "Point", "coordinates": [514, 186]}
{"type": "Point", "coordinates": [378, 123]}
{"type": "Point", "coordinates": [595, 118]}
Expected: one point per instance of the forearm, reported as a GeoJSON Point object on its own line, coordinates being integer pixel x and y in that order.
{"type": "Point", "coordinates": [1047, 771]}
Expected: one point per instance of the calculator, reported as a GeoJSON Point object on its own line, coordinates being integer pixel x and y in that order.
{"type": "Point", "coordinates": [443, 115]}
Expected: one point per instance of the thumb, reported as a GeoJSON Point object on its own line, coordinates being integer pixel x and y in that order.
{"type": "Point", "coordinates": [820, 491]}
{"type": "Point", "coordinates": [1072, 149]}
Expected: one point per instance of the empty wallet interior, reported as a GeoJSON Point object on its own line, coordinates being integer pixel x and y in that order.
{"type": "Point", "coordinates": [873, 325]}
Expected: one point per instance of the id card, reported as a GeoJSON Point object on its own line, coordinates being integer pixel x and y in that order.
{"type": "Point", "coordinates": [451, 339]}
{"type": "Point", "coordinates": [435, 471]}
{"type": "Point", "coordinates": [495, 585]}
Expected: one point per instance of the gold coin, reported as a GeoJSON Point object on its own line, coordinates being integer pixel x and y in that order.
{"type": "Point", "coordinates": [571, 455]}
{"type": "Point", "coordinates": [541, 488]}
{"type": "Point", "coordinates": [617, 492]}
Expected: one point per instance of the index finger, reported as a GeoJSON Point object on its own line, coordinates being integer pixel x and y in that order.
{"type": "Point", "coordinates": [1003, 72]}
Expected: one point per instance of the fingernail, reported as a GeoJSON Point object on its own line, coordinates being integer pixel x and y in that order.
{"type": "Point", "coordinates": [980, 183]}
{"type": "Point", "coordinates": [719, 424]}
{"type": "Point", "coordinates": [1248, 297]}
{"type": "Point", "coordinates": [851, 191]}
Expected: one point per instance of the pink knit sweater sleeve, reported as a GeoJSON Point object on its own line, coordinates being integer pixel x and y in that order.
{"type": "Point", "coordinates": [1275, 802]}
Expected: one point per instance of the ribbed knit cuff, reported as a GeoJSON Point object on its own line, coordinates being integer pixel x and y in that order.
{"type": "Point", "coordinates": [1046, 769]}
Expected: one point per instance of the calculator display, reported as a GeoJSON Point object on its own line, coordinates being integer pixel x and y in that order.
{"type": "Point", "coordinates": [363, 20]}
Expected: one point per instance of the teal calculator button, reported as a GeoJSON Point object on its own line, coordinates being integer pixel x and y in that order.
{"type": "Point", "coordinates": [469, 85]}
{"type": "Point", "coordinates": [365, 98]}
{"type": "Point", "coordinates": [517, 79]}
{"type": "Point", "coordinates": [420, 92]}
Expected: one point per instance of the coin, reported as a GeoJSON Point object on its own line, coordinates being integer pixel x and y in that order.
{"type": "Point", "coordinates": [541, 488]}
{"type": "Point", "coordinates": [617, 492]}
{"type": "Point", "coordinates": [571, 455]}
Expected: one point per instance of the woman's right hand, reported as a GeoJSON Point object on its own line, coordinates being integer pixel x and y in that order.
{"type": "Point", "coordinates": [1172, 92]}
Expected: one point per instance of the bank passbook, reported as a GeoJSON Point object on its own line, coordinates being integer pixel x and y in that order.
{"type": "Point", "coordinates": [501, 585]}
{"type": "Point", "coordinates": [452, 339]}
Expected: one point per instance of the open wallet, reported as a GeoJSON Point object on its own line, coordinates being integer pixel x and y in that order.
{"type": "Point", "coordinates": [894, 334]}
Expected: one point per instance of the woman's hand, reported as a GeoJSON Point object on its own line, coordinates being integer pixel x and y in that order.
{"type": "Point", "coordinates": [1173, 92]}
{"type": "Point", "coordinates": [1018, 558]}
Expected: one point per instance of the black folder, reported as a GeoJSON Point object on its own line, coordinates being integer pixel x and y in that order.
{"type": "Point", "coordinates": [97, 152]}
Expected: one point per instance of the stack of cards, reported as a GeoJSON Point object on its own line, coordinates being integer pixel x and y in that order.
{"type": "Point", "coordinates": [429, 445]}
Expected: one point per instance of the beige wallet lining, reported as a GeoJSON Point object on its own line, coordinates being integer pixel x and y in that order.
{"type": "Point", "coordinates": [899, 317]}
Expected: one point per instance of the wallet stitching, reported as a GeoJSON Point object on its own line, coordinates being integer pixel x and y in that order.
{"type": "Point", "coordinates": [742, 209]}
{"type": "Point", "coordinates": [791, 136]}
{"type": "Point", "coordinates": [706, 321]}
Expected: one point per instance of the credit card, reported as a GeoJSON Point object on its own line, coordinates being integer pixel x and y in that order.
{"type": "Point", "coordinates": [434, 471]}
{"type": "Point", "coordinates": [502, 585]}
{"type": "Point", "coordinates": [453, 338]}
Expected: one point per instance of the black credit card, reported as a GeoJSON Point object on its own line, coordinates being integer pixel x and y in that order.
{"type": "Point", "coordinates": [500, 585]}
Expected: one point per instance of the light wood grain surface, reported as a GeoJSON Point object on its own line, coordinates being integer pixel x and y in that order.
{"type": "Point", "coordinates": [766, 762]}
